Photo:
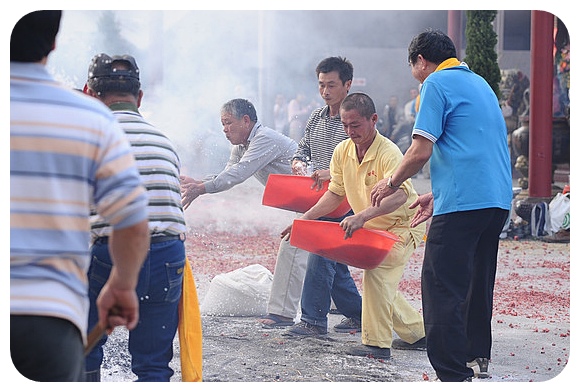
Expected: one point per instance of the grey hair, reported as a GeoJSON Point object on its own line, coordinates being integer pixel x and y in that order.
{"type": "Point", "coordinates": [240, 107]}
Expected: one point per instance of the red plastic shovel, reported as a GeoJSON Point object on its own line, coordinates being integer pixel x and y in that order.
{"type": "Point", "coordinates": [294, 193]}
{"type": "Point", "coordinates": [366, 249]}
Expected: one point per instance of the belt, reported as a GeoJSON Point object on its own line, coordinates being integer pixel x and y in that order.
{"type": "Point", "coordinates": [153, 240]}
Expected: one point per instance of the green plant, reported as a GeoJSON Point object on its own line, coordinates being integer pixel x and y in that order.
{"type": "Point", "coordinates": [480, 52]}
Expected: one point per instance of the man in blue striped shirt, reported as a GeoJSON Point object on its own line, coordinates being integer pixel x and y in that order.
{"type": "Point", "coordinates": [67, 153]}
{"type": "Point", "coordinates": [115, 81]}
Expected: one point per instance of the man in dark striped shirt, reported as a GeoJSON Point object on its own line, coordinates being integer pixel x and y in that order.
{"type": "Point", "coordinates": [326, 279]}
{"type": "Point", "coordinates": [115, 81]}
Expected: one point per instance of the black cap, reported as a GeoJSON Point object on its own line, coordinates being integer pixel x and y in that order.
{"type": "Point", "coordinates": [105, 75]}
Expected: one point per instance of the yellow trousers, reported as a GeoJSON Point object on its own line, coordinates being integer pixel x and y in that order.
{"type": "Point", "coordinates": [384, 308]}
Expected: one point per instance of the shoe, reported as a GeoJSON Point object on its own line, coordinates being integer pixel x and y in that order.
{"type": "Point", "coordinates": [362, 350]}
{"type": "Point", "coordinates": [400, 344]}
{"type": "Point", "coordinates": [348, 325]}
{"type": "Point", "coordinates": [561, 236]}
{"type": "Point", "coordinates": [480, 367]}
{"type": "Point", "coordinates": [305, 329]}
{"type": "Point", "coordinates": [277, 321]}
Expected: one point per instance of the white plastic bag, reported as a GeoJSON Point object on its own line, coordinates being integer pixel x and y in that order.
{"type": "Point", "coordinates": [242, 292]}
{"type": "Point", "coordinates": [559, 212]}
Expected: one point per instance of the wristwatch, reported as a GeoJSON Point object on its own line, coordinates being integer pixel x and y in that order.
{"type": "Point", "coordinates": [390, 185]}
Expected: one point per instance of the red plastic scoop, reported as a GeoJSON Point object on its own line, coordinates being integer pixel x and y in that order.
{"type": "Point", "coordinates": [294, 193]}
{"type": "Point", "coordinates": [366, 248]}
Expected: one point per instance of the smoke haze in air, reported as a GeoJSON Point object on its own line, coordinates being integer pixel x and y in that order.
{"type": "Point", "coordinates": [194, 61]}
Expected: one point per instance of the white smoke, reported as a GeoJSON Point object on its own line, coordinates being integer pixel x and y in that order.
{"type": "Point", "coordinates": [193, 61]}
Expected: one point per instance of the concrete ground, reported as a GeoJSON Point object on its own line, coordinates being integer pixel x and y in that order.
{"type": "Point", "coordinates": [531, 323]}
{"type": "Point", "coordinates": [531, 341]}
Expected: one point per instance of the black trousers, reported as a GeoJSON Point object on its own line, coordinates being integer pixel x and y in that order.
{"type": "Point", "coordinates": [46, 348]}
{"type": "Point", "coordinates": [457, 283]}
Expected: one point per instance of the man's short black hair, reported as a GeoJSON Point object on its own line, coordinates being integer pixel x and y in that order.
{"type": "Point", "coordinates": [360, 102]}
{"type": "Point", "coordinates": [339, 64]}
{"type": "Point", "coordinates": [434, 45]}
{"type": "Point", "coordinates": [34, 35]}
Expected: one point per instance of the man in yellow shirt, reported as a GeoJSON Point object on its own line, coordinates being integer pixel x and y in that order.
{"type": "Point", "coordinates": [358, 163]}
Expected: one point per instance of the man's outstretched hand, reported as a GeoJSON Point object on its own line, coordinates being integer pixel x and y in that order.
{"type": "Point", "coordinates": [425, 211]}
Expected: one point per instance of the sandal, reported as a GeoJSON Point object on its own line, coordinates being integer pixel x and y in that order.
{"type": "Point", "coordinates": [278, 321]}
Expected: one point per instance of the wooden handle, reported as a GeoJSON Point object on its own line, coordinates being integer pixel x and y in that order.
{"type": "Point", "coordinates": [97, 332]}
{"type": "Point", "coordinates": [94, 336]}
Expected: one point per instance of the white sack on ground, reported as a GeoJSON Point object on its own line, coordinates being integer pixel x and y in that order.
{"type": "Point", "coordinates": [242, 292]}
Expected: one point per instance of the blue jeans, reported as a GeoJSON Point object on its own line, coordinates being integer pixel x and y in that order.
{"type": "Point", "coordinates": [326, 279]}
{"type": "Point", "coordinates": [159, 290]}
